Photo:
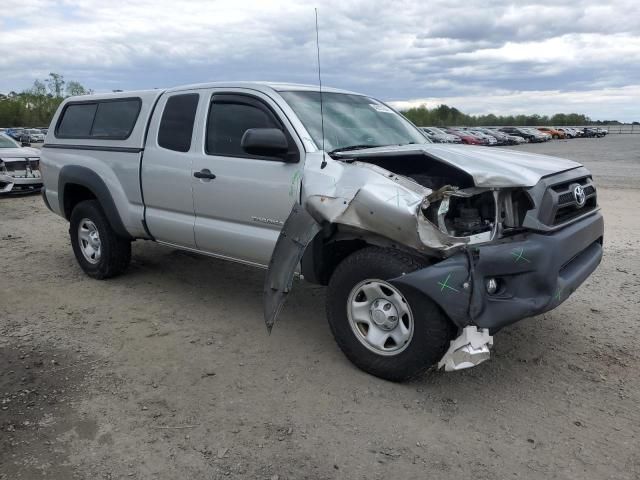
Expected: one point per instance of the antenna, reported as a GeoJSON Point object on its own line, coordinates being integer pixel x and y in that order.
{"type": "Point", "coordinates": [324, 160]}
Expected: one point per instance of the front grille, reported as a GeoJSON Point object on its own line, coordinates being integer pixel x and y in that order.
{"type": "Point", "coordinates": [554, 201]}
{"type": "Point", "coordinates": [569, 212]}
{"type": "Point", "coordinates": [566, 198]}
{"type": "Point", "coordinates": [564, 201]}
{"type": "Point", "coordinates": [34, 164]}
{"type": "Point", "coordinates": [561, 187]}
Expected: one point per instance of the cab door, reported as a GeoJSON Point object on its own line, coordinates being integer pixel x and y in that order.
{"type": "Point", "coordinates": [166, 171]}
{"type": "Point", "coordinates": [241, 201]}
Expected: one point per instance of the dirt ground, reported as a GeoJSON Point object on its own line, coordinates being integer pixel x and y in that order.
{"type": "Point", "coordinates": [167, 371]}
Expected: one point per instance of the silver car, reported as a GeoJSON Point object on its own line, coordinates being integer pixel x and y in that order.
{"type": "Point", "coordinates": [19, 166]}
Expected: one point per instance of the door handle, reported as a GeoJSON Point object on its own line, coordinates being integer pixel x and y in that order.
{"type": "Point", "coordinates": [204, 174]}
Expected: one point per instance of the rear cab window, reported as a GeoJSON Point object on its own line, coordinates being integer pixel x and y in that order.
{"type": "Point", "coordinates": [100, 119]}
{"type": "Point", "coordinates": [176, 124]}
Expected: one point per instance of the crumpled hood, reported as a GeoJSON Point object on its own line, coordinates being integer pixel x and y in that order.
{"type": "Point", "coordinates": [489, 167]}
{"type": "Point", "coordinates": [18, 153]}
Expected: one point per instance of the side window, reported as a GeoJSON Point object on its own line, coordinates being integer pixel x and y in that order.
{"type": "Point", "coordinates": [227, 123]}
{"type": "Point", "coordinates": [115, 119]}
{"type": "Point", "coordinates": [77, 120]}
{"type": "Point", "coordinates": [104, 120]}
{"type": "Point", "coordinates": [176, 124]}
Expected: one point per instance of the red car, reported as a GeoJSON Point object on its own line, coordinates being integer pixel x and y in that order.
{"type": "Point", "coordinates": [466, 137]}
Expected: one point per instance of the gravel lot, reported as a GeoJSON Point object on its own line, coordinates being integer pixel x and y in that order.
{"type": "Point", "coordinates": [167, 372]}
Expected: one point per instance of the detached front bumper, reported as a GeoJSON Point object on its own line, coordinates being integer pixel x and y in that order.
{"type": "Point", "coordinates": [534, 272]}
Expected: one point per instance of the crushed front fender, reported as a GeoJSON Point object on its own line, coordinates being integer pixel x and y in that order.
{"type": "Point", "coordinates": [296, 234]}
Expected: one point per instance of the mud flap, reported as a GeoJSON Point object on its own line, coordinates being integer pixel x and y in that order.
{"type": "Point", "coordinates": [296, 234]}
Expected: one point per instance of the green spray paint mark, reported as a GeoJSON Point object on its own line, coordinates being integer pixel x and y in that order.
{"type": "Point", "coordinates": [395, 197]}
{"type": "Point", "coordinates": [519, 255]}
{"type": "Point", "coordinates": [294, 183]}
{"type": "Point", "coordinates": [557, 295]}
{"type": "Point", "coordinates": [445, 284]}
{"type": "Point", "coordinates": [400, 195]}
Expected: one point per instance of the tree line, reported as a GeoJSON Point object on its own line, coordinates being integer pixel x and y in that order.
{"type": "Point", "coordinates": [443, 115]}
{"type": "Point", "coordinates": [35, 106]}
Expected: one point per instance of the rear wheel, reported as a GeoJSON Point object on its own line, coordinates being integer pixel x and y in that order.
{"type": "Point", "coordinates": [392, 334]}
{"type": "Point", "coordinates": [98, 249]}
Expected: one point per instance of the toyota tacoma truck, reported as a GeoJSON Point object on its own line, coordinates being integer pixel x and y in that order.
{"type": "Point", "coordinates": [426, 249]}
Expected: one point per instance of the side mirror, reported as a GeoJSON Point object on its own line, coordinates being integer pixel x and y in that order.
{"type": "Point", "coordinates": [25, 144]}
{"type": "Point", "coordinates": [266, 142]}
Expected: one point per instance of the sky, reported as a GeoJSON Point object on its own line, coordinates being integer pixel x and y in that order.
{"type": "Point", "coordinates": [478, 56]}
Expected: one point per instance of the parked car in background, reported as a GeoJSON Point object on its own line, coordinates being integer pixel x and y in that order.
{"type": "Point", "coordinates": [19, 166]}
{"type": "Point", "coordinates": [593, 132]}
{"type": "Point", "coordinates": [440, 136]}
{"type": "Point", "coordinates": [539, 136]}
{"type": "Point", "coordinates": [15, 133]}
{"type": "Point", "coordinates": [488, 139]}
{"type": "Point", "coordinates": [555, 133]}
{"type": "Point", "coordinates": [568, 132]}
{"type": "Point", "coordinates": [520, 132]}
{"type": "Point", "coordinates": [465, 137]}
{"type": "Point", "coordinates": [515, 139]}
{"type": "Point", "coordinates": [501, 138]}
{"type": "Point", "coordinates": [32, 135]}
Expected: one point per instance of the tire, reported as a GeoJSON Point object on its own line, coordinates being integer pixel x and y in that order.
{"type": "Point", "coordinates": [111, 253]}
{"type": "Point", "coordinates": [432, 330]}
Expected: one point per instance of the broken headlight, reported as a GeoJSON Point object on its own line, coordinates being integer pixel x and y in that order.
{"type": "Point", "coordinates": [462, 213]}
{"type": "Point", "coordinates": [476, 212]}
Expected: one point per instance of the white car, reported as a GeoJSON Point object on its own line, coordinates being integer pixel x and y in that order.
{"type": "Point", "coordinates": [32, 135]}
{"type": "Point", "coordinates": [19, 166]}
{"type": "Point", "coordinates": [440, 136]}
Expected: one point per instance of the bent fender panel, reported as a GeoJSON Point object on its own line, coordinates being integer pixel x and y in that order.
{"type": "Point", "coordinates": [75, 174]}
{"type": "Point", "coordinates": [296, 234]}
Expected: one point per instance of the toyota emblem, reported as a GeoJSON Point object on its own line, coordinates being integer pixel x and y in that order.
{"type": "Point", "coordinates": [579, 195]}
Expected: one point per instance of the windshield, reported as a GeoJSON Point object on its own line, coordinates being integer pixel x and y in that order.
{"type": "Point", "coordinates": [6, 142]}
{"type": "Point", "coordinates": [351, 121]}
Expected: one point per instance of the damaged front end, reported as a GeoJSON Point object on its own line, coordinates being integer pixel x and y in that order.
{"type": "Point", "coordinates": [484, 268]}
{"type": "Point", "coordinates": [366, 200]}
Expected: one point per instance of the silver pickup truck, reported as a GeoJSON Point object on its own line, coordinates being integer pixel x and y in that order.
{"type": "Point", "coordinates": [427, 250]}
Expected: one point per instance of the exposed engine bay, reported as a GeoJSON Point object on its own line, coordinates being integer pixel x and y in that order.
{"type": "Point", "coordinates": [455, 206]}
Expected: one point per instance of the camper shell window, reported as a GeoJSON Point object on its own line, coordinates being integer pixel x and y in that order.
{"type": "Point", "coordinates": [100, 119]}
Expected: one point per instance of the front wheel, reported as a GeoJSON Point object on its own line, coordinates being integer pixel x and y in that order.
{"type": "Point", "coordinates": [98, 249]}
{"type": "Point", "coordinates": [389, 333]}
